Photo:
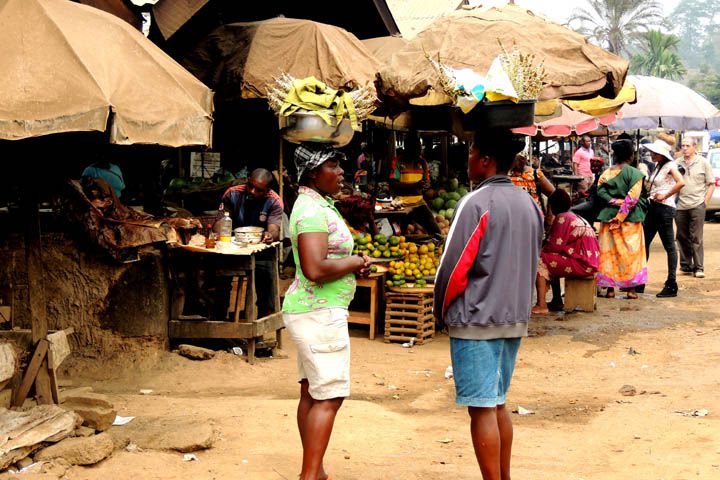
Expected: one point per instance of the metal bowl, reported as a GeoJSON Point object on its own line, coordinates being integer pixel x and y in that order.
{"type": "Point", "coordinates": [309, 127]}
{"type": "Point", "coordinates": [248, 234]}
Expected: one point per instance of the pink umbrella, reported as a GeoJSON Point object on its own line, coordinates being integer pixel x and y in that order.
{"type": "Point", "coordinates": [567, 123]}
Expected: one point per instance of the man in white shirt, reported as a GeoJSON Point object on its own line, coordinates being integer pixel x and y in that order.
{"type": "Point", "coordinates": [692, 199]}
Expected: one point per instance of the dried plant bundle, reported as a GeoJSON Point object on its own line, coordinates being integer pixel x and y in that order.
{"type": "Point", "coordinates": [363, 98]}
{"type": "Point", "coordinates": [527, 77]}
{"type": "Point", "coordinates": [446, 77]}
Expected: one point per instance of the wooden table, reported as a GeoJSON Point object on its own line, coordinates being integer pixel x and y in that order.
{"type": "Point", "coordinates": [239, 264]}
{"type": "Point", "coordinates": [374, 283]}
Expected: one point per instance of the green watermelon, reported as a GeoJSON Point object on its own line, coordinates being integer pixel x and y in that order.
{"type": "Point", "coordinates": [453, 184]}
{"type": "Point", "coordinates": [462, 191]}
{"type": "Point", "coordinates": [454, 196]}
{"type": "Point", "coordinates": [437, 203]}
{"type": "Point", "coordinates": [177, 184]}
{"type": "Point", "coordinates": [451, 203]}
{"type": "Point", "coordinates": [442, 213]}
{"type": "Point", "coordinates": [449, 213]}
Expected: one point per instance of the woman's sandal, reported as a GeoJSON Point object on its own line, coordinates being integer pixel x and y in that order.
{"type": "Point", "coordinates": [539, 311]}
{"type": "Point", "coordinates": [610, 294]}
{"type": "Point", "coordinates": [632, 296]}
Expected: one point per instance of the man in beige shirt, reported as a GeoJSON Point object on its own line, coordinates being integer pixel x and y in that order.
{"type": "Point", "coordinates": [692, 199]}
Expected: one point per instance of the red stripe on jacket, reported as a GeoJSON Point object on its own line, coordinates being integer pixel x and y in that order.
{"type": "Point", "coordinates": [459, 279]}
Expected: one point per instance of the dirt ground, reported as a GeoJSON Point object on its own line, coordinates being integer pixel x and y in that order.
{"type": "Point", "coordinates": [401, 421]}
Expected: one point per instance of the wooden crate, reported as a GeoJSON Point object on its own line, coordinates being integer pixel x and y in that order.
{"type": "Point", "coordinates": [409, 316]}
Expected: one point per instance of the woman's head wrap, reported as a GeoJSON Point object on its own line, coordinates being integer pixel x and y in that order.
{"type": "Point", "coordinates": [310, 156]}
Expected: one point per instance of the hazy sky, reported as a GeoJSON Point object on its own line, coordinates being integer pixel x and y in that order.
{"type": "Point", "coordinates": [560, 10]}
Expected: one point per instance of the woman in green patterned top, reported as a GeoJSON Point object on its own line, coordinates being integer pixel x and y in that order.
{"type": "Point", "coordinates": [315, 309]}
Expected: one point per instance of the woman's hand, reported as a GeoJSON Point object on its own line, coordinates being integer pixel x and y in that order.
{"type": "Point", "coordinates": [614, 224]}
{"type": "Point", "coordinates": [364, 268]}
{"type": "Point", "coordinates": [659, 197]}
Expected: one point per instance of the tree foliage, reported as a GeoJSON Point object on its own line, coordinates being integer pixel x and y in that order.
{"type": "Point", "coordinates": [698, 24]}
{"type": "Point", "coordinates": [615, 23]}
{"type": "Point", "coordinates": [658, 56]}
{"type": "Point", "coordinates": [709, 85]}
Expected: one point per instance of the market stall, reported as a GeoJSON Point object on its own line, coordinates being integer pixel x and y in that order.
{"type": "Point", "coordinates": [63, 83]}
{"type": "Point", "coordinates": [237, 263]}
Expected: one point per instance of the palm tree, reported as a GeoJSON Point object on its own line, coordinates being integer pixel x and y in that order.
{"type": "Point", "coordinates": [614, 23]}
{"type": "Point", "coordinates": [658, 56]}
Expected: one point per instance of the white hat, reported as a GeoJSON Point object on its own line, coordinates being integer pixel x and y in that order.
{"type": "Point", "coordinates": [661, 148]}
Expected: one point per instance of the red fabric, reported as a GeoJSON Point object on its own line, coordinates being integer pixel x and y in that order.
{"type": "Point", "coordinates": [459, 277]}
{"type": "Point", "coordinates": [572, 249]}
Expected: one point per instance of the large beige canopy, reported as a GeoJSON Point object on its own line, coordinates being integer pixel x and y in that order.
{"type": "Point", "coordinates": [385, 47]}
{"type": "Point", "coordinates": [469, 38]}
{"type": "Point", "coordinates": [241, 59]}
{"type": "Point", "coordinates": [68, 67]}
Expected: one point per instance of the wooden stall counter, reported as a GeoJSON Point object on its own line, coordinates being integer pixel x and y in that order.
{"type": "Point", "coordinates": [239, 264]}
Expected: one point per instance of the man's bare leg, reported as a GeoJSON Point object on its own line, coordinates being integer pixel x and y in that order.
{"type": "Point", "coordinates": [506, 438]}
{"type": "Point", "coordinates": [486, 439]}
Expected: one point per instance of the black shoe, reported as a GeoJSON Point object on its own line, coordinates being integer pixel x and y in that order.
{"type": "Point", "coordinates": [686, 270]}
{"type": "Point", "coordinates": [669, 290]}
{"type": "Point", "coordinates": [640, 289]}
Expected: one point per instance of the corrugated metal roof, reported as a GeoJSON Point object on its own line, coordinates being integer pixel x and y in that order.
{"type": "Point", "coordinates": [412, 16]}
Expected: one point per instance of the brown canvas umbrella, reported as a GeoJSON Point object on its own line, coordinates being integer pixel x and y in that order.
{"type": "Point", "coordinates": [385, 47]}
{"type": "Point", "coordinates": [68, 67]}
{"type": "Point", "coordinates": [469, 38]}
{"type": "Point", "coordinates": [241, 59]}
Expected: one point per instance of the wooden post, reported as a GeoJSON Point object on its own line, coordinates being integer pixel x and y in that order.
{"type": "Point", "coordinates": [35, 285]}
{"type": "Point", "coordinates": [444, 156]}
{"type": "Point", "coordinates": [280, 169]}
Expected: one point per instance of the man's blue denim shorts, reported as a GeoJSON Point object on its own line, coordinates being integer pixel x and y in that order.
{"type": "Point", "coordinates": [483, 370]}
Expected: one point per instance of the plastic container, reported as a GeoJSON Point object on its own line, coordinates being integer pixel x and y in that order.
{"type": "Point", "coordinates": [225, 230]}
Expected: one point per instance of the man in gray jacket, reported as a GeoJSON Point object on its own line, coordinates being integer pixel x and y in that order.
{"type": "Point", "coordinates": [483, 292]}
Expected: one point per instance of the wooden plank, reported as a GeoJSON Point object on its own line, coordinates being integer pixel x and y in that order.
{"type": "Point", "coordinates": [210, 329]}
{"type": "Point", "coordinates": [5, 313]}
{"type": "Point", "coordinates": [32, 370]}
{"type": "Point", "coordinates": [8, 363]}
{"type": "Point", "coordinates": [400, 322]}
{"type": "Point", "coordinates": [59, 347]}
{"type": "Point", "coordinates": [362, 318]}
{"type": "Point", "coordinates": [276, 276]}
{"type": "Point", "coordinates": [251, 299]}
{"type": "Point", "coordinates": [271, 323]}
{"type": "Point", "coordinates": [43, 385]}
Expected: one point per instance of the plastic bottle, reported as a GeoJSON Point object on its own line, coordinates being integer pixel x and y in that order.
{"type": "Point", "coordinates": [210, 238]}
{"type": "Point", "coordinates": [226, 228]}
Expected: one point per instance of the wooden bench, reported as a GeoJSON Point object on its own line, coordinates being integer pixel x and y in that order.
{"type": "Point", "coordinates": [581, 294]}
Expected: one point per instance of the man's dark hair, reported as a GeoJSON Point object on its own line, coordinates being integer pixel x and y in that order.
{"type": "Point", "coordinates": [559, 201]}
{"type": "Point", "coordinates": [623, 150]}
{"type": "Point", "coordinates": [501, 144]}
{"type": "Point", "coordinates": [262, 175]}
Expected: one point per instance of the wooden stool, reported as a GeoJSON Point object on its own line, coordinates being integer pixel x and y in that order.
{"type": "Point", "coordinates": [368, 318]}
{"type": "Point", "coordinates": [580, 293]}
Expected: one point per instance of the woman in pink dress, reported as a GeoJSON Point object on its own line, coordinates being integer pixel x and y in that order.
{"type": "Point", "coordinates": [571, 250]}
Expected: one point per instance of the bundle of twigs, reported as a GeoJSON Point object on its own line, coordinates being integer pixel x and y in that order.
{"type": "Point", "coordinates": [446, 78]}
{"type": "Point", "coordinates": [364, 98]}
{"type": "Point", "coordinates": [527, 77]}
